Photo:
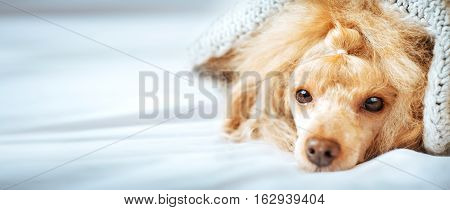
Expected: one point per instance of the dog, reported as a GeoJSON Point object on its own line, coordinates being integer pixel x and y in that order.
{"type": "Point", "coordinates": [341, 82]}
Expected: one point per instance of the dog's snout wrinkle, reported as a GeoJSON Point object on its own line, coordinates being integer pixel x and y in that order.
{"type": "Point", "coordinates": [321, 152]}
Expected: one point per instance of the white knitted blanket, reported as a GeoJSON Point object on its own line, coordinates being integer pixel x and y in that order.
{"type": "Point", "coordinates": [248, 15]}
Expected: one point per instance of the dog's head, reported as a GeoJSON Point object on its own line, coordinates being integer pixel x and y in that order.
{"type": "Point", "coordinates": [349, 88]}
{"type": "Point", "coordinates": [350, 103]}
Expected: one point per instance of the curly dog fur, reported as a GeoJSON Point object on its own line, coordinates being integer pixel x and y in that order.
{"type": "Point", "coordinates": [342, 52]}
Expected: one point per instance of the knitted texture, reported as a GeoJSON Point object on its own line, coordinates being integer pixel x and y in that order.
{"type": "Point", "coordinates": [245, 18]}
{"type": "Point", "coordinates": [232, 27]}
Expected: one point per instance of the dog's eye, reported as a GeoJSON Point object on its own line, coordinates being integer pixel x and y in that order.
{"type": "Point", "coordinates": [373, 104]}
{"type": "Point", "coordinates": [303, 96]}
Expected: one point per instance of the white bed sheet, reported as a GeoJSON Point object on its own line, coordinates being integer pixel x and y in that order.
{"type": "Point", "coordinates": [66, 101]}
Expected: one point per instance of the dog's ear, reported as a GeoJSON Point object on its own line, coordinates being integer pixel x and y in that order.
{"type": "Point", "coordinates": [220, 68]}
{"type": "Point", "coordinates": [419, 45]}
{"type": "Point", "coordinates": [241, 122]}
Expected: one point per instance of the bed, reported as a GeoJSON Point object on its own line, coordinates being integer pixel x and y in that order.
{"type": "Point", "coordinates": [69, 115]}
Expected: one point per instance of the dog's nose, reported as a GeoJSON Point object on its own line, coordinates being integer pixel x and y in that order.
{"type": "Point", "coordinates": [321, 152]}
